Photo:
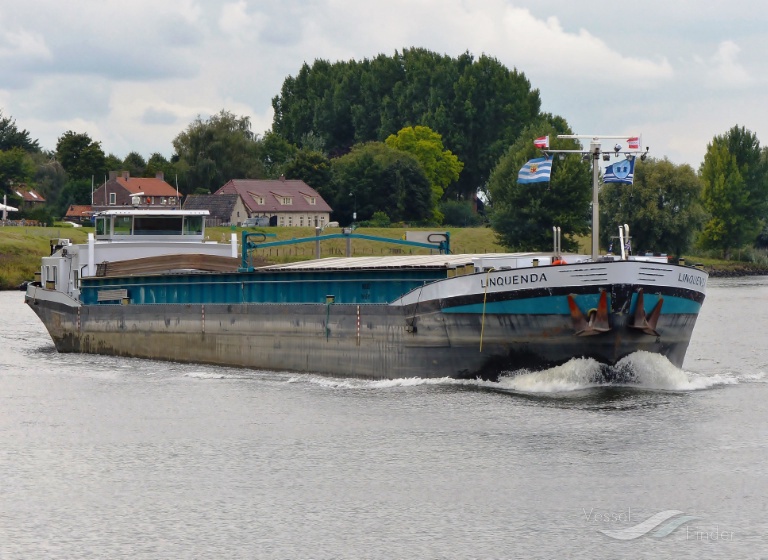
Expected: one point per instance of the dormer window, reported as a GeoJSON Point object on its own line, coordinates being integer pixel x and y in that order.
{"type": "Point", "coordinates": [313, 200]}
{"type": "Point", "coordinates": [287, 200]}
{"type": "Point", "coordinates": [260, 200]}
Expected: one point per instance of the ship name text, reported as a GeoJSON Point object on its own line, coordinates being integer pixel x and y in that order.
{"type": "Point", "coordinates": [513, 280]}
{"type": "Point", "coordinates": [693, 279]}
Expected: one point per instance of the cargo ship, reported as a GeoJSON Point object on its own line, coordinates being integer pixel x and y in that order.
{"type": "Point", "coordinates": [147, 284]}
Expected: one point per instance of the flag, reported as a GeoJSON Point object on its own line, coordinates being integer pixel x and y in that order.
{"type": "Point", "coordinates": [542, 142]}
{"type": "Point", "coordinates": [620, 172]}
{"type": "Point", "coordinates": [633, 143]}
{"type": "Point", "coordinates": [535, 171]}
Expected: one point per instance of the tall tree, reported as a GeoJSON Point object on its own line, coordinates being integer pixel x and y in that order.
{"type": "Point", "coordinates": [478, 106]}
{"type": "Point", "coordinates": [440, 166]}
{"type": "Point", "coordinates": [80, 156]}
{"type": "Point", "coordinates": [11, 137]}
{"type": "Point", "coordinates": [735, 190]}
{"type": "Point", "coordinates": [211, 152]}
{"type": "Point", "coordinates": [376, 178]}
{"type": "Point", "coordinates": [523, 215]}
{"type": "Point", "coordinates": [662, 207]}
{"type": "Point", "coordinates": [135, 164]}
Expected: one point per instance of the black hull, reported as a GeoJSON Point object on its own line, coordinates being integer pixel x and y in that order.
{"type": "Point", "coordinates": [368, 341]}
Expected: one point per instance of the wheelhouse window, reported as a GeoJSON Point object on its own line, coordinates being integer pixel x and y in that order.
{"type": "Point", "coordinates": [157, 225]}
{"type": "Point", "coordinates": [193, 225]}
{"type": "Point", "coordinates": [101, 226]}
{"type": "Point", "coordinates": [122, 225]}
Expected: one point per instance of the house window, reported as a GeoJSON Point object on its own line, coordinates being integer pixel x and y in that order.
{"type": "Point", "coordinates": [112, 199]}
{"type": "Point", "coordinates": [290, 220]}
{"type": "Point", "coordinates": [259, 200]}
{"type": "Point", "coordinates": [282, 220]}
{"type": "Point", "coordinates": [287, 201]}
{"type": "Point", "coordinates": [301, 221]}
{"type": "Point", "coordinates": [312, 200]}
{"type": "Point", "coordinates": [164, 200]}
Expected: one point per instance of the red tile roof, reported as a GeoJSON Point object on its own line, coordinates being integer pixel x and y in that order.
{"type": "Point", "coordinates": [29, 195]}
{"type": "Point", "coordinates": [79, 211]}
{"type": "Point", "coordinates": [272, 192]}
{"type": "Point", "coordinates": [150, 186]}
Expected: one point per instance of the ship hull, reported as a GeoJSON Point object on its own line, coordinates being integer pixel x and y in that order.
{"type": "Point", "coordinates": [458, 331]}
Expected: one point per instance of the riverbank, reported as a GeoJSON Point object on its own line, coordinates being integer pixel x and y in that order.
{"type": "Point", "coordinates": [21, 249]}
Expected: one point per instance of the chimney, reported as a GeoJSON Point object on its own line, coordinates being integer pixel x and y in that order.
{"type": "Point", "coordinates": [160, 175]}
{"type": "Point", "coordinates": [282, 177]}
{"type": "Point", "coordinates": [126, 175]}
{"type": "Point", "coordinates": [112, 175]}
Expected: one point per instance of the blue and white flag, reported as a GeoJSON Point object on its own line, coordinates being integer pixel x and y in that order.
{"type": "Point", "coordinates": [535, 171]}
{"type": "Point", "coordinates": [620, 172]}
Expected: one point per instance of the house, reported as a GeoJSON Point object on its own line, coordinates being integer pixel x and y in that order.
{"type": "Point", "coordinates": [79, 213]}
{"type": "Point", "coordinates": [29, 198]}
{"type": "Point", "coordinates": [142, 192]}
{"type": "Point", "coordinates": [225, 209]}
{"type": "Point", "coordinates": [286, 202]}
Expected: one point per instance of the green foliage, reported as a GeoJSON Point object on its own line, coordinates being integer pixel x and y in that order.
{"type": "Point", "coordinates": [735, 191]}
{"type": "Point", "coordinates": [663, 207]}
{"type": "Point", "coordinates": [211, 152]}
{"type": "Point", "coordinates": [314, 169]}
{"type": "Point", "coordinates": [275, 153]}
{"type": "Point", "coordinates": [374, 177]}
{"type": "Point", "coordinates": [440, 166]}
{"type": "Point", "coordinates": [135, 164]}
{"type": "Point", "coordinates": [16, 166]}
{"type": "Point", "coordinates": [75, 191]}
{"type": "Point", "coordinates": [11, 137]}
{"type": "Point", "coordinates": [380, 219]}
{"type": "Point", "coordinates": [80, 156]}
{"type": "Point", "coordinates": [479, 107]}
{"type": "Point", "coordinates": [523, 215]}
{"type": "Point", "coordinates": [158, 164]}
{"type": "Point", "coordinates": [459, 213]}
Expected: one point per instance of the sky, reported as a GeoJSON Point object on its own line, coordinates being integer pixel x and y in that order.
{"type": "Point", "coordinates": [134, 74]}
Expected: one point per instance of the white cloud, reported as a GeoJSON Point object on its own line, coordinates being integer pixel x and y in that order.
{"type": "Point", "coordinates": [724, 71]}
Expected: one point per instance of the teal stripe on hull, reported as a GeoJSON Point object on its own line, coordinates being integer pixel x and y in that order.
{"type": "Point", "coordinates": [558, 305]}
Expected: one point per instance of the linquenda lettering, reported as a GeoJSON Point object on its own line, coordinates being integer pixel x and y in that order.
{"type": "Point", "coordinates": [513, 280]}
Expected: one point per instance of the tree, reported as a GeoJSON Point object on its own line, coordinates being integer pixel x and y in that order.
{"type": "Point", "coordinates": [81, 157]}
{"type": "Point", "coordinates": [211, 152]}
{"type": "Point", "coordinates": [735, 190]}
{"type": "Point", "coordinates": [440, 166]}
{"type": "Point", "coordinates": [374, 177]}
{"type": "Point", "coordinates": [523, 215]}
{"type": "Point", "coordinates": [135, 164]}
{"type": "Point", "coordinates": [16, 166]}
{"type": "Point", "coordinates": [479, 107]}
{"type": "Point", "coordinates": [75, 191]}
{"type": "Point", "coordinates": [11, 137]}
{"type": "Point", "coordinates": [662, 207]}
{"type": "Point", "coordinates": [314, 169]}
{"type": "Point", "coordinates": [275, 152]}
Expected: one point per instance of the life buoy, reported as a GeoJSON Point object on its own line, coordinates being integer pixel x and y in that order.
{"type": "Point", "coordinates": [557, 260]}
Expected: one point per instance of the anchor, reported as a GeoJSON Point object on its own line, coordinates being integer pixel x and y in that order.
{"type": "Point", "coordinates": [598, 318]}
{"type": "Point", "coordinates": [647, 324]}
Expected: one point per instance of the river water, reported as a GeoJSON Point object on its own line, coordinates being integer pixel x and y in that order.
{"type": "Point", "coordinates": [103, 457]}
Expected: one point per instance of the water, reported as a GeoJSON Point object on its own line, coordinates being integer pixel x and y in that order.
{"type": "Point", "coordinates": [103, 457]}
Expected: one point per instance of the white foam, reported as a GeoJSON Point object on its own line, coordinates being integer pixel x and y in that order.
{"type": "Point", "coordinates": [574, 375]}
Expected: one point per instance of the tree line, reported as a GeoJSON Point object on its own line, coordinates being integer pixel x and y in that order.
{"type": "Point", "coordinates": [414, 137]}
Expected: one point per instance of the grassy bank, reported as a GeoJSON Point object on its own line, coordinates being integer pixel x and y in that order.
{"type": "Point", "coordinates": [22, 247]}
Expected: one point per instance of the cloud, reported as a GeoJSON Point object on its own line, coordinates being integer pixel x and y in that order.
{"type": "Point", "coordinates": [724, 71]}
{"type": "Point", "coordinates": [154, 115]}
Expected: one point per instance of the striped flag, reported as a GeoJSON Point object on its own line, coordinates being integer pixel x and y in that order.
{"type": "Point", "coordinates": [633, 143]}
{"type": "Point", "coordinates": [542, 142]}
{"type": "Point", "coordinates": [620, 172]}
{"type": "Point", "coordinates": [535, 171]}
